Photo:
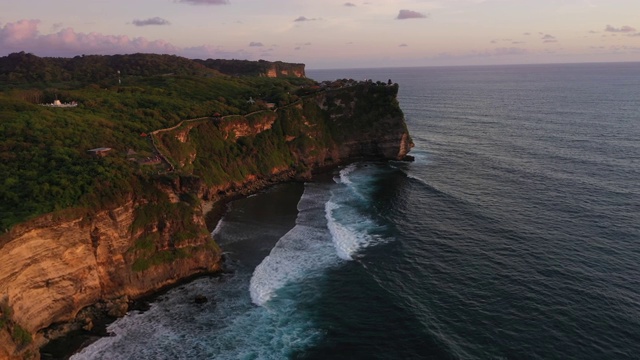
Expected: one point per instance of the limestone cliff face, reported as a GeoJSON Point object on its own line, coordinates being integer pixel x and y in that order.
{"type": "Point", "coordinates": [247, 126]}
{"type": "Point", "coordinates": [280, 69]}
{"type": "Point", "coordinates": [51, 269]}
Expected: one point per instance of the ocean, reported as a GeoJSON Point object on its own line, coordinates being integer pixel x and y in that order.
{"type": "Point", "coordinates": [515, 234]}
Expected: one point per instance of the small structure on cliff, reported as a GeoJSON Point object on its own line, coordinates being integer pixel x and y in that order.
{"type": "Point", "coordinates": [100, 152]}
{"type": "Point", "coordinates": [58, 104]}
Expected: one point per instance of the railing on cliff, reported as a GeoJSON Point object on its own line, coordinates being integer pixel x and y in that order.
{"type": "Point", "coordinates": [172, 167]}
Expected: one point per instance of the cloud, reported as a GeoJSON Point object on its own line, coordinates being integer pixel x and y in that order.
{"type": "Point", "coordinates": [15, 33]}
{"type": "Point", "coordinates": [23, 35]}
{"type": "Point", "coordinates": [203, 2]}
{"type": "Point", "coordinates": [505, 51]}
{"type": "Point", "coordinates": [526, 34]}
{"type": "Point", "coordinates": [624, 49]}
{"type": "Point", "coordinates": [304, 18]}
{"type": "Point", "coordinates": [624, 29]}
{"type": "Point", "coordinates": [409, 14]}
{"type": "Point", "coordinates": [549, 39]}
{"type": "Point", "coordinates": [256, 44]}
{"type": "Point", "coordinates": [349, 4]}
{"type": "Point", "coordinates": [215, 52]}
{"type": "Point", "coordinates": [403, 45]}
{"type": "Point", "coordinates": [635, 34]}
{"type": "Point", "coordinates": [151, 21]}
{"type": "Point", "coordinates": [489, 53]}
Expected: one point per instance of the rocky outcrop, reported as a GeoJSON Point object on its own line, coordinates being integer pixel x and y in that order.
{"type": "Point", "coordinates": [369, 119]}
{"type": "Point", "coordinates": [250, 125]}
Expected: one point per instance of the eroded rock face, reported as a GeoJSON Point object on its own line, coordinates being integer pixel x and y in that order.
{"type": "Point", "coordinates": [52, 270]}
{"type": "Point", "coordinates": [241, 126]}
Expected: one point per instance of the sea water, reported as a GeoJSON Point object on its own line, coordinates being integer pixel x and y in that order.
{"type": "Point", "coordinates": [514, 235]}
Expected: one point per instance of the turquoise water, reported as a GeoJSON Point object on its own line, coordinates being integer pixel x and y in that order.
{"type": "Point", "coordinates": [514, 235]}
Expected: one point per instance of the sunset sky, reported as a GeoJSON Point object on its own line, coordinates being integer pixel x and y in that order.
{"type": "Point", "coordinates": [331, 33]}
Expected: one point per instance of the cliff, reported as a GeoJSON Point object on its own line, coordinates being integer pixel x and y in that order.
{"type": "Point", "coordinates": [53, 268]}
{"type": "Point", "coordinates": [255, 68]}
{"type": "Point", "coordinates": [25, 68]}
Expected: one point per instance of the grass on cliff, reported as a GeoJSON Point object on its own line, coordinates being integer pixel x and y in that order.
{"type": "Point", "coordinates": [44, 163]}
{"type": "Point", "coordinates": [21, 336]}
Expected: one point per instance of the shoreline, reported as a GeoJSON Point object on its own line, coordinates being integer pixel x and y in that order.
{"type": "Point", "coordinates": [76, 338]}
{"type": "Point", "coordinates": [65, 346]}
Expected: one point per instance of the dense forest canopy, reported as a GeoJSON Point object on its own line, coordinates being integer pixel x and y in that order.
{"type": "Point", "coordinates": [44, 160]}
{"type": "Point", "coordinates": [246, 67]}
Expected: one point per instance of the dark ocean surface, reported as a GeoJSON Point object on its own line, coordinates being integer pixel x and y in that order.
{"type": "Point", "coordinates": [514, 235]}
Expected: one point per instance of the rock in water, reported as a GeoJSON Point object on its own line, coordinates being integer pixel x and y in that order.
{"type": "Point", "coordinates": [200, 299]}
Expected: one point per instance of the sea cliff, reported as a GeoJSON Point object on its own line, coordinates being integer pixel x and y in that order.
{"type": "Point", "coordinates": [55, 267]}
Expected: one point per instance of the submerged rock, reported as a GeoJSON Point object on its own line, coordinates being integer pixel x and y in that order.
{"type": "Point", "coordinates": [200, 299]}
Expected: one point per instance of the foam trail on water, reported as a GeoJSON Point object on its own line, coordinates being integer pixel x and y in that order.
{"type": "Point", "coordinates": [344, 174]}
{"type": "Point", "coordinates": [305, 251]}
{"type": "Point", "coordinates": [351, 236]}
{"type": "Point", "coordinates": [345, 241]}
{"type": "Point", "coordinates": [348, 212]}
{"type": "Point", "coordinates": [299, 254]}
{"type": "Point", "coordinates": [218, 227]}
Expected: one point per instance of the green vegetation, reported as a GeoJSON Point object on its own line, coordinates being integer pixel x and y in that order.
{"type": "Point", "coordinates": [378, 101]}
{"type": "Point", "coordinates": [21, 336]}
{"type": "Point", "coordinates": [251, 68]}
{"type": "Point", "coordinates": [158, 258]}
{"type": "Point", "coordinates": [146, 243]}
{"type": "Point", "coordinates": [221, 158]}
{"type": "Point", "coordinates": [44, 163]}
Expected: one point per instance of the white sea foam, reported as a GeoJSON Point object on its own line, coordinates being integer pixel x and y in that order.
{"type": "Point", "coordinates": [229, 328]}
{"type": "Point", "coordinates": [304, 252]}
{"type": "Point", "coordinates": [218, 227]}
{"type": "Point", "coordinates": [348, 211]}
{"type": "Point", "coordinates": [348, 239]}
{"type": "Point", "coordinates": [344, 174]}
{"type": "Point", "coordinates": [298, 255]}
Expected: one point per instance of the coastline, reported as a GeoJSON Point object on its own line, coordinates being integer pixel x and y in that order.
{"type": "Point", "coordinates": [252, 207]}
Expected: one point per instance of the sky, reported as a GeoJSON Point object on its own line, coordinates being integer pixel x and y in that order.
{"type": "Point", "coordinates": [327, 34]}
